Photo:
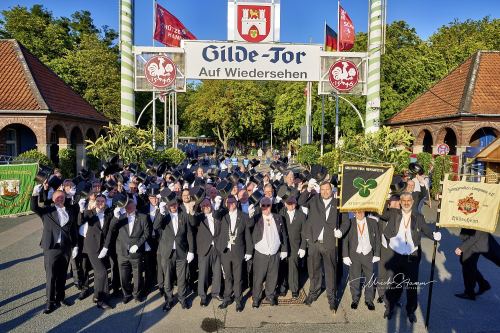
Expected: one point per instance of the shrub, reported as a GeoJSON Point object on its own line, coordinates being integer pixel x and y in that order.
{"type": "Point", "coordinates": [442, 165]}
{"type": "Point", "coordinates": [331, 161]}
{"type": "Point", "coordinates": [425, 160]}
{"type": "Point", "coordinates": [92, 163]}
{"type": "Point", "coordinates": [33, 156]}
{"type": "Point", "coordinates": [67, 162]}
{"type": "Point", "coordinates": [308, 155]}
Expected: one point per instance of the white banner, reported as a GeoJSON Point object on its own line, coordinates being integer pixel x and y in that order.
{"type": "Point", "coordinates": [251, 61]}
{"type": "Point", "coordinates": [253, 22]}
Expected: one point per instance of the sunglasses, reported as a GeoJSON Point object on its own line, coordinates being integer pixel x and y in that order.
{"type": "Point", "coordinates": [266, 206]}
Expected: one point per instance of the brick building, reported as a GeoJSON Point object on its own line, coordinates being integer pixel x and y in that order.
{"type": "Point", "coordinates": [461, 110]}
{"type": "Point", "coordinates": [38, 110]}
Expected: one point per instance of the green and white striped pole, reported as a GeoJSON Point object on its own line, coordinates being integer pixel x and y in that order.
{"type": "Point", "coordinates": [373, 80]}
{"type": "Point", "coordinates": [127, 115]}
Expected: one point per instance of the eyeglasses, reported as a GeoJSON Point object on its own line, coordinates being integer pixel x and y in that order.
{"type": "Point", "coordinates": [266, 206]}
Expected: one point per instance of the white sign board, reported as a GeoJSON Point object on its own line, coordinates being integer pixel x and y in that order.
{"type": "Point", "coordinates": [258, 61]}
{"type": "Point", "coordinates": [253, 22]}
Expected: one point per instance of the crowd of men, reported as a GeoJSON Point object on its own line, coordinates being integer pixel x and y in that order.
{"type": "Point", "coordinates": [225, 231]}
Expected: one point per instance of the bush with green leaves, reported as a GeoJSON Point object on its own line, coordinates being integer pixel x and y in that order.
{"type": "Point", "coordinates": [308, 155]}
{"type": "Point", "coordinates": [442, 166]}
{"type": "Point", "coordinates": [33, 156]}
{"type": "Point", "coordinates": [331, 161]}
{"type": "Point", "coordinates": [171, 155]}
{"type": "Point", "coordinates": [92, 163]}
{"type": "Point", "coordinates": [425, 160]}
{"type": "Point", "coordinates": [67, 162]}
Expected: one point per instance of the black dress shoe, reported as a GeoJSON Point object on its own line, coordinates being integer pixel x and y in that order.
{"type": "Point", "coordinates": [354, 305]}
{"type": "Point", "coordinates": [218, 297]}
{"type": "Point", "coordinates": [66, 302]}
{"type": "Point", "coordinates": [283, 293]}
{"type": "Point", "coordinates": [333, 305]}
{"type": "Point", "coordinates": [370, 306]}
{"type": "Point", "coordinates": [162, 291]}
{"type": "Point", "coordinates": [84, 294]}
{"type": "Point", "coordinates": [412, 318]}
{"type": "Point", "coordinates": [127, 299]}
{"type": "Point", "coordinates": [103, 305]}
{"type": "Point", "coordinates": [203, 302]}
{"type": "Point", "coordinates": [483, 289]}
{"type": "Point", "coordinates": [184, 305]}
{"type": "Point", "coordinates": [273, 301]}
{"type": "Point", "coordinates": [255, 305]}
{"type": "Point", "coordinates": [49, 308]}
{"type": "Point", "coordinates": [380, 299]}
{"type": "Point", "coordinates": [466, 296]}
{"type": "Point", "coordinates": [309, 299]}
{"type": "Point", "coordinates": [388, 314]}
{"type": "Point", "coordinates": [295, 294]}
{"type": "Point", "coordinates": [167, 306]}
{"type": "Point", "coordinates": [224, 304]}
{"type": "Point", "coordinates": [138, 299]}
{"type": "Point", "coordinates": [239, 306]}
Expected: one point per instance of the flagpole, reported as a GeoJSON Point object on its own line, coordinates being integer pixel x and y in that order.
{"type": "Point", "coordinates": [154, 99]}
{"type": "Point", "coordinates": [338, 25]}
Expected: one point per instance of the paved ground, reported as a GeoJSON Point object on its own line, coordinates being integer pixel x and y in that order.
{"type": "Point", "coordinates": [22, 297]}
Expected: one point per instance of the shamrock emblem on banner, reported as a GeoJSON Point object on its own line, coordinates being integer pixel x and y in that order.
{"type": "Point", "coordinates": [363, 186]}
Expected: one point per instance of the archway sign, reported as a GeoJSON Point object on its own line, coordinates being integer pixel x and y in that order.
{"type": "Point", "coordinates": [168, 68]}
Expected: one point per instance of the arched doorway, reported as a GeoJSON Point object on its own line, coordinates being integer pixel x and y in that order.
{"type": "Point", "coordinates": [90, 134]}
{"type": "Point", "coordinates": [424, 139]}
{"type": "Point", "coordinates": [450, 138]}
{"type": "Point", "coordinates": [57, 138]}
{"type": "Point", "coordinates": [483, 137]}
{"type": "Point", "coordinates": [17, 139]}
{"type": "Point", "coordinates": [77, 143]}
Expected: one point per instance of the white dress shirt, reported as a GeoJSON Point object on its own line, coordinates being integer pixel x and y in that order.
{"type": "Point", "coordinates": [327, 213]}
{"type": "Point", "coordinates": [174, 217]}
{"type": "Point", "coordinates": [402, 243]}
{"type": "Point", "coordinates": [364, 245]}
{"type": "Point", "coordinates": [131, 221]}
{"type": "Point", "coordinates": [211, 224]}
{"type": "Point", "coordinates": [63, 219]}
{"type": "Point", "coordinates": [270, 242]}
{"type": "Point", "coordinates": [232, 217]}
{"type": "Point", "coordinates": [291, 214]}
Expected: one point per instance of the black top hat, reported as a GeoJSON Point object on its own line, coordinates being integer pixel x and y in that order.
{"type": "Point", "coordinates": [273, 165]}
{"type": "Point", "coordinates": [398, 185]}
{"type": "Point", "coordinates": [85, 174]}
{"type": "Point", "coordinates": [109, 185]}
{"type": "Point", "coordinates": [118, 177]}
{"type": "Point", "coordinates": [198, 181]}
{"type": "Point", "coordinates": [255, 197]}
{"type": "Point", "coordinates": [161, 168]}
{"type": "Point", "coordinates": [221, 158]}
{"type": "Point", "coordinates": [224, 188]}
{"type": "Point", "coordinates": [189, 177]}
{"type": "Point", "coordinates": [54, 182]}
{"type": "Point", "coordinates": [254, 162]}
{"type": "Point", "coordinates": [197, 193]}
{"type": "Point", "coordinates": [304, 175]}
{"type": "Point", "coordinates": [415, 169]}
{"type": "Point", "coordinates": [318, 172]}
{"type": "Point", "coordinates": [283, 159]}
{"type": "Point", "coordinates": [176, 175]}
{"type": "Point", "coordinates": [252, 172]}
{"type": "Point", "coordinates": [43, 173]}
{"type": "Point", "coordinates": [153, 190]}
{"type": "Point", "coordinates": [282, 167]}
{"type": "Point", "coordinates": [83, 189]}
{"type": "Point", "coordinates": [276, 184]}
{"type": "Point", "coordinates": [120, 200]}
{"type": "Point", "coordinates": [141, 177]}
{"type": "Point", "coordinates": [133, 167]}
{"type": "Point", "coordinates": [168, 196]}
{"type": "Point", "coordinates": [257, 178]}
{"type": "Point", "coordinates": [335, 180]}
{"type": "Point", "coordinates": [213, 172]}
{"type": "Point", "coordinates": [77, 180]}
{"type": "Point", "coordinates": [229, 153]}
{"type": "Point", "coordinates": [150, 163]}
{"type": "Point", "coordinates": [223, 174]}
{"type": "Point", "coordinates": [284, 192]}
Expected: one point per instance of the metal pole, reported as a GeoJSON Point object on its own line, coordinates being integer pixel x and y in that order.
{"type": "Point", "coordinates": [154, 121]}
{"type": "Point", "coordinates": [165, 121]}
{"type": "Point", "coordinates": [271, 138]}
{"type": "Point", "coordinates": [322, 121]}
{"type": "Point", "coordinates": [336, 120]}
{"type": "Point", "coordinates": [127, 97]}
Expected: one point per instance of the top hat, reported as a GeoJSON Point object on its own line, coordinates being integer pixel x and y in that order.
{"type": "Point", "coordinates": [318, 172]}
{"type": "Point", "coordinates": [85, 174]}
{"type": "Point", "coordinates": [83, 189]}
{"type": "Point", "coordinates": [221, 158]}
{"type": "Point", "coordinates": [213, 172]}
{"type": "Point", "coordinates": [283, 160]}
{"type": "Point", "coordinates": [118, 178]}
{"type": "Point", "coordinates": [189, 177]}
{"type": "Point", "coordinates": [304, 175]}
{"type": "Point", "coordinates": [255, 197]}
{"type": "Point", "coordinates": [133, 167]}
{"type": "Point", "coordinates": [257, 179]}
{"type": "Point", "coordinates": [276, 184]}
{"type": "Point", "coordinates": [335, 180]}
{"type": "Point", "coordinates": [229, 153]}
{"type": "Point", "coordinates": [284, 191]}
{"type": "Point", "coordinates": [109, 185]}
{"type": "Point", "coordinates": [197, 193]}
{"type": "Point", "coordinates": [54, 182]}
{"type": "Point", "coordinates": [141, 177]}
{"type": "Point", "coordinates": [43, 173]}
{"type": "Point", "coordinates": [161, 168]}
{"type": "Point", "coordinates": [398, 185]}
{"type": "Point", "coordinates": [415, 169]}
{"type": "Point", "coordinates": [273, 165]}
{"type": "Point", "coordinates": [224, 188]}
{"type": "Point", "coordinates": [153, 190]}
{"type": "Point", "coordinates": [254, 162]}
{"type": "Point", "coordinates": [120, 200]}
{"type": "Point", "coordinates": [168, 196]}
{"type": "Point", "coordinates": [282, 167]}
{"type": "Point", "coordinates": [77, 180]}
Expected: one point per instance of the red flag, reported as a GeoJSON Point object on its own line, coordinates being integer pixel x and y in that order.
{"type": "Point", "coordinates": [330, 39]}
{"type": "Point", "coordinates": [168, 29]}
{"type": "Point", "coordinates": [346, 31]}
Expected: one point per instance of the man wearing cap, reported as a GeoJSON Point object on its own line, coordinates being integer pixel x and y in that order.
{"type": "Point", "coordinates": [271, 245]}
{"type": "Point", "coordinates": [235, 246]}
{"type": "Point", "coordinates": [361, 249]}
{"type": "Point", "coordinates": [95, 224]}
{"type": "Point", "coordinates": [176, 248]}
{"type": "Point", "coordinates": [188, 206]}
{"type": "Point", "coordinates": [403, 233]}
{"type": "Point", "coordinates": [130, 231]}
{"type": "Point", "coordinates": [208, 230]}
{"type": "Point", "coordinates": [295, 221]}
{"type": "Point", "coordinates": [322, 234]}
{"type": "Point", "coordinates": [59, 243]}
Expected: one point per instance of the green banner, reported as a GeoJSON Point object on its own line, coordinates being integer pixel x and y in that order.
{"type": "Point", "coordinates": [16, 186]}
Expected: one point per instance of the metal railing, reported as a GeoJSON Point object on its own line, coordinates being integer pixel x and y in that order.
{"type": "Point", "coordinates": [6, 159]}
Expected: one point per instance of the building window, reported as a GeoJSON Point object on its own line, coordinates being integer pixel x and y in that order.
{"type": "Point", "coordinates": [11, 142]}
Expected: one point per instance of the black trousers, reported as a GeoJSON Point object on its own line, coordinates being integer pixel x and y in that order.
{"type": "Point", "coordinates": [384, 274]}
{"type": "Point", "coordinates": [178, 266]}
{"type": "Point", "coordinates": [160, 274]}
{"type": "Point", "coordinates": [233, 266]}
{"type": "Point", "coordinates": [210, 263]}
{"type": "Point", "coordinates": [80, 269]}
{"type": "Point", "coordinates": [470, 272]}
{"type": "Point", "coordinates": [56, 263]}
{"type": "Point", "coordinates": [361, 271]}
{"type": "Point", "coordinates": [317, 253]}
{"type": "Point", "coordinates": [101, 286]}
{"type": "Point", "coordinates": [288, 277]}
{"type": "Point", "coordinates": [115, 271]}
{"type": "Point", "coordinates": [130, 270]}
{"type": "Point", "coordinates": [405, 268]}
{"type": "Point", "coordinates": [265, 268]}
{"type": "Point", "coordinates": [150, 273]}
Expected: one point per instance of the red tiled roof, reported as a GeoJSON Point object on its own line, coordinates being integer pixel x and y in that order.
{"type": "Point", "coordinates": [473, 87]}
{"type": "Point", "coordinates": [27, 84]}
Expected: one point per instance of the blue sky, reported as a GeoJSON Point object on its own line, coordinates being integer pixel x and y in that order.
{"type": "Point", "coordinates": [301, 21]}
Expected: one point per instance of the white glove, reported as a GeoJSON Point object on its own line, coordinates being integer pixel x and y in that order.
{"type": "Point", "coordinates": [218, 201]}
{"type": "Point", "coordinates": [75, 252]}
{"type": "Point", "coordinates": [81, 203]}
{"type": "Point", "coordinates": [278, 199]}
{"type": "Point", "coordinates": [190, 257]}
{"type": "Point", "coordinates": [37, 189]}
{"type": "Point", "coordinates": [305, 210]}
{"type": "Point", "coordinates": [103, 253]}
{"type": "Point", "coordinates": [141, 188]}
{"type": "Point", "coordinates": [251, 211]}
{"type": "Point", "coordinates": [437, 236]}
{"type": "Point", "coordinates": [301, 253]}
{"type": "Point", "coordinates": [133, 249]}
{"type": "Point", "coordinates": [248, 257]}
{"type": "Point", "coordinates": [278, 176]}
{"type": "Point", "coordinates": [375, 259]}
{"type": "Point", "coordinates": [117, 212]}
{"type": "Point", "coordinates": [147, 248]}
{"type": "Point", "coordinates": [163, 208]}
{"type": "Point", "coordinates": [283, 255]}
{"type": "Point", "coordinates": [311, 184]}
{"type": "Point", "coordinates": [347, 261]}
{"type": "Point", "coordinates": [337, 233]}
